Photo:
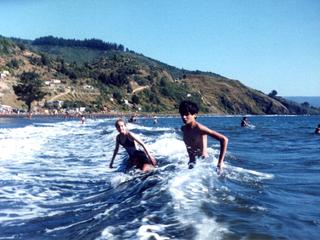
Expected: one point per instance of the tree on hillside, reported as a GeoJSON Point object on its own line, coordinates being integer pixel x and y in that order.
{"type": "Point", "coordinates": [14, 63]}
{"type": "Point", "coordinates": [135, 99]}
{"type": "Point", "coordinates": [88, 43]}
{"type": "Point", "coordinates": [273, 93]}
{"type": "Point", "coordinates": [44, 59]}
{"type": "Point", "coordinates": [305, 104]}
{"type": "Point", "coordinates": [29, 88]}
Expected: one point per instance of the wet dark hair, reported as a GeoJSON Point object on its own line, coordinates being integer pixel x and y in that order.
{"type": "Point", "coordinates": [187, 107]}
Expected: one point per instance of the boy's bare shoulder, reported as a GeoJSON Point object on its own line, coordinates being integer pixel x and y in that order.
{"type": "Point", "coordinates": [202, 127]}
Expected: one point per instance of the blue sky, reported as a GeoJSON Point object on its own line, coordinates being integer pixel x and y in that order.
{"type": "Point", "coordinates": [266, 44]}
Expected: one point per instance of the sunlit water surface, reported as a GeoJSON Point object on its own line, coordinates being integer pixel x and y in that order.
{"type": "Point", "coordinates": [55, 182]}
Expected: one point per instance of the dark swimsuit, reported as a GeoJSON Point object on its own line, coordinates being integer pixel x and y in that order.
{"type": "Point", "coordinates": [136, 157]}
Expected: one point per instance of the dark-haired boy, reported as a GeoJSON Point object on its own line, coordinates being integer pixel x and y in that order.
{"type": "Point", "coordinates": [195, 135]}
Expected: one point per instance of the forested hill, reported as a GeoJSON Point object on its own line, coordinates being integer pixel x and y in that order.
{"type": "Point", "coordinates": [107, 76]}
{"type": "Point", "coordinates": [87, 43]}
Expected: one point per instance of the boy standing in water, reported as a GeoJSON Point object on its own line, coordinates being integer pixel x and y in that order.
{"type": "Point", "coordinates": [140, 159]}
{"type": "Point", "coordinates": [195, 135]}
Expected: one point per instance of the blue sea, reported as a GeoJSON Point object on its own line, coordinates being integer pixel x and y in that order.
{"type": "Point", "coordinates": [313, 101]}
{"type": "Point", "coordinates": [56, 182]}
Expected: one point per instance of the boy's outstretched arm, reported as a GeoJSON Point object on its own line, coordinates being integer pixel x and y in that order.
{"type": "Point", "coordinates": [223, 149]}
{"type": "Point", "coordinates": [223, 144]}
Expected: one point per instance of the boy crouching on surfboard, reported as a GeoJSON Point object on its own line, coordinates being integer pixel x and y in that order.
{"type": "Point", "coordinates": [137, 158]}
{"type": "Point", "coordinates": [195, 135]}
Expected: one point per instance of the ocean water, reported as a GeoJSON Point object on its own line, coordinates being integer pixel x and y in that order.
{"type": "Point", "coordinates": [56, 184]}
{"type": "Point", "coordinates": [313, 101]}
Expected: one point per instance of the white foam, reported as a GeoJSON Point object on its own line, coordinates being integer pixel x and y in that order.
{"type": "Point", "coordinates": [246, 175]}
{"type": "Point", "coordinates": [168, 145]}
{"type": "Point", "coordinates": [147, 232]}
{"type": "Point", "coordinates": [119, 178]}
{"type": "Point", "coordinates": [132, 126]}
{"type": "Point", "coordinates": [75, 152]}
{"type": "Point", "coordinates": [189, 190]}
{"type": "Point", "coordinates": [107, 233]}
{"type": "Point", "coordinates": [31, 157]}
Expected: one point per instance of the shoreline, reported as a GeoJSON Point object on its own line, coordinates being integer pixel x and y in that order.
{"type": "Point", "coordinates": [128, 115]}
{"type": "Point", "coordinates": [87, 115]}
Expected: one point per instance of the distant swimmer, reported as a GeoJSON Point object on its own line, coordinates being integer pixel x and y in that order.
{"type": "Point", "coordinates": [83, 119]}
{"type": "Point", "coordinates": [195, 135]}
{"type": "Point", "coordinates": [317, 131]}
{"type": "Point", "coordinates": [137, 158]}
{"type": "Point", "coordinates": [133, 118]}
{"type": "Point", "coordinates": [155, 120]}
{"type": "Point", "coordinates": [245, 122]}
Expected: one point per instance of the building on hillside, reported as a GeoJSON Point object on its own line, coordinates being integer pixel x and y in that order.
{"type": "Point", "coordinates": [88, 87]}
{"type": "Point", "coordinates": [55, 81]}
{"type": "Point", "coordinates": [55, 104]}
{"type": "Point", "coordinates": [6, 109]}
{"type": "Point", "coordinates": [4, 74]}
{"type": "Point", "coordinates": [52, 82]}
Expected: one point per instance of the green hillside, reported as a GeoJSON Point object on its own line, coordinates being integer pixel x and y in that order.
{"type": "Point", "coordinates": [106, 76]}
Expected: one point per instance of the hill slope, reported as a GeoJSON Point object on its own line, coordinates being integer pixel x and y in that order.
{"type": "Point", "coordinates": [115, 79]}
